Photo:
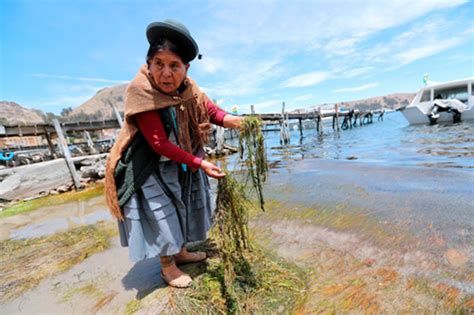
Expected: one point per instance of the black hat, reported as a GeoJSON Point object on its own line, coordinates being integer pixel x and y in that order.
{"type": "Point", "coordinates": [177, 33]}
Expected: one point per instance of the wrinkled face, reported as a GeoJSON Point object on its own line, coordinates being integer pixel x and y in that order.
{"type": "Point", "coordinates": [168, 71]}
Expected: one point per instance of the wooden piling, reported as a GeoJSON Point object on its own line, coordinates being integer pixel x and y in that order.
{"type": "Point", "coordinates": [117, 114]}
{"type": "Point", "coordinates": [89, 141]}
{"type": "Point", "coordinates": [67, 155]}
{"type": "Point", "coordinates": [219, 139]}
{"type": "Point", "coordinates": [335, 124]}
{"type": "Point", "coordinates": [320, 121]}
{"type": "Point", "coordinates": [284, 127]}
{"type": "Point", "coordinates": [300, 125]}
{"type": "Point", "coordinates": [47, 135]}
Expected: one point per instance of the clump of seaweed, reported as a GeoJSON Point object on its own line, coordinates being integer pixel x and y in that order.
{"type": "Point", "coordinates": [252, 151]}
{"type": "Point", "coordinates": [232, 211]}
{"type": "Point", "coordinates": [232, 237]}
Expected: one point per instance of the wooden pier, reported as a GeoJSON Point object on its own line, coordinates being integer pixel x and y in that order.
{"type": "Point", "coordinates": [280, 121]}
{"type": "Point", "coordinates": [350, 118]}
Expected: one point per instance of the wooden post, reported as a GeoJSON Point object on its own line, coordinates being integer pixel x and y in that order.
{"type": "Point", "coordinates": [50, 143]}
{"type": "Point", "coordinates": [219, 139]}
{"type": "Point", "coordinates": [300, 124]}
{"type": "Point", "coordinates": [67, 154]}
{"type": "Point", "coordinates": [320, 121]}
{"type": "Point", "coordinates": [284, 132]}
{"type": "Point", "coordinates": [117, 114]}
{"type": "Point", "coordinates": [89, 141]}
{"type": "Point", "coordinates": [336, 108]}
{"type": "Point", "coordinates": [282, 123]}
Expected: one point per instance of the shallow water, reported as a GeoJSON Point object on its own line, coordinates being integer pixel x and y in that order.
{"type": "Point", "coordinates": [52, 219]}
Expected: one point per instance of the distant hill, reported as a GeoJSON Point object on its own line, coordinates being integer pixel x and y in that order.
{"type": "Point", "coordinates": [392, 101]}
{"type": "Point", "coordinates": [12, 113]}
{"type": "Point", "coordinates": [98, 107]}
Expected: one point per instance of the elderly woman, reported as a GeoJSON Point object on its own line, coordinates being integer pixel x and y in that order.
{"type": "Point", "coordinates": [156, 182]}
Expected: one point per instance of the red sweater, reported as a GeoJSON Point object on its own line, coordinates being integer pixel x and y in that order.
{"type": "Point", "coordinates": [152, 128]}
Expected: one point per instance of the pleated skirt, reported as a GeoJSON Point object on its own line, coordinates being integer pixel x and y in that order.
{"type": "Point", "coordinates": [170, 209]}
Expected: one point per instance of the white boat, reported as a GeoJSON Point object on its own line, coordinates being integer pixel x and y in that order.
{"type": "Point", "coordinates": [442, 102]}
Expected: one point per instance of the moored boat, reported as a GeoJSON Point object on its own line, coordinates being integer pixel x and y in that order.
{"type": "Point", "coordinates": [442, 102]}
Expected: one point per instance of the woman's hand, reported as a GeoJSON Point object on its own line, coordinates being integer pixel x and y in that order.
{"type": "Point", "coordinates": [212, 170]}
{"type": "Point", "coordinates": [231, 121]}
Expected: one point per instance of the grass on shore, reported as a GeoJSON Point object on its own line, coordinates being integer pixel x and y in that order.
{"type": "Point", "coordinates": [24, 263]}
{"type": "Point", "coordinates": [26, 206]}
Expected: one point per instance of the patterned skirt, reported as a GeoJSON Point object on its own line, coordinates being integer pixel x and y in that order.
{"type": "Point", "coordinates": [170, 209]}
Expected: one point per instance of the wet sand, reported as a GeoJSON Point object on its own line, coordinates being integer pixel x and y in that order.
{"type": "Point", "coordinates": [374, 239]}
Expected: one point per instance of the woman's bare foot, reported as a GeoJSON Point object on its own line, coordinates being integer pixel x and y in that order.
{"type": "Point", "coordinates": [172, 275]}
{"type": "Point", "coordinates": [185, 257]}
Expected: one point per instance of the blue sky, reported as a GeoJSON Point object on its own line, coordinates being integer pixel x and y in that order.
{"type": "Point", "coordinates": [56, 54]}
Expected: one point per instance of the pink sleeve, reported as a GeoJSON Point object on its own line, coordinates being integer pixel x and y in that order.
{"type": "Point", "coordinates": [152, 129]}
{"type": "Point", "coordinates": [216, 115]}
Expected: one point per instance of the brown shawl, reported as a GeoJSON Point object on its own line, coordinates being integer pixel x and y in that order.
{"type": "Point", "coordinates": [142, 96]}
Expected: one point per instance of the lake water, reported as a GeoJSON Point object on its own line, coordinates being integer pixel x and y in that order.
{"type": "Point", "coordinates": [389, 142]}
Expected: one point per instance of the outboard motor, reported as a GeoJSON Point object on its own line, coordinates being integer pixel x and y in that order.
{"type": "Point", "coordinates": [454, 106]}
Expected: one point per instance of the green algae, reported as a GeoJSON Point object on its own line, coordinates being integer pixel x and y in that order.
{"type": "Point", "coordinates": [252, 151]}
{"type": "Point", "coordinates": [132, 307]}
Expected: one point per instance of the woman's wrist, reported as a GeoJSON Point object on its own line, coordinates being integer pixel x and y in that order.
{"type": "Point", "coordinates": [231, 121]}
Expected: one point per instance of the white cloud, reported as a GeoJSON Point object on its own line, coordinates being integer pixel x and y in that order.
{"type": "Point", "coordinates": [426, 50]}
{"type": "Point", "coordinates": [244, 77]}
{"type": "Point", "coordinates": [66, 100]}
{"type": "Point", "coordinates": [304, 97]}
{"type": "Point", "coordinates": [342, 46]}
{"type": "Point", "coordinates": [67, 77]}
{"type": "Point", "coordinates": [262, 107]}
{"type": "Point", "coordinates": [307, 79]}
{"type": "Point", "coordinates": [357, 88]}
{"type": "Point", "coordinates": [210, 65]}
{"type": "Point", "coordinates": [356, 72]}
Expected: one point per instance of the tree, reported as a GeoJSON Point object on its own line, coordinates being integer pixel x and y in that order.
{"type": "Point", "coordinates": [50, 116]}
{"type": "Point", "coordinates": [66, 111]}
